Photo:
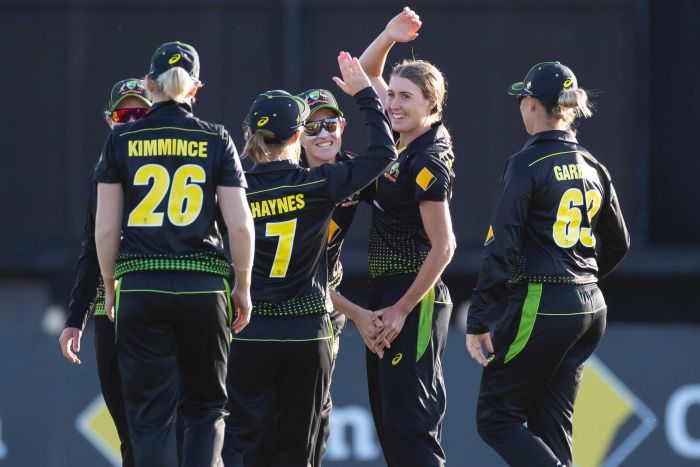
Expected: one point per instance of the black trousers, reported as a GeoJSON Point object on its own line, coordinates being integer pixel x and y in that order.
{"type": "Point", "coordinates": [282, 383]}
{"type": "Point", "coordinates": [110, 382]}
{"type": "Point", "coordinates": [540, 344]}
{"type": "Point", "coordinates": [173, 344]}
{"type": "Point", "coordinates": [406, 388]}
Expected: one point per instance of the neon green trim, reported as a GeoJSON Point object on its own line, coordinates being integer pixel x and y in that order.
{"type": "Point", "coordinates": [117, 291]}
{"type": "Point", "coordinates": [175, 293]}
{"type": "Point", "coordinates": [330, 326]}
{"type": "Point", "coordinates": [527, 320]}
{"type": "Point", "coordinates": [425, 322]}
{"type": "Point", "coordinates": [282, 340]}
{"type": "Point", "coordinates": [573, 314]}
{"type": "Point", "coordinates": [168, 128]}
{"type": "Point", "coordinates": [549, 155]}
{"type": "Point", "coordinates": [228, 302]}
{"type": "Point", "coordinates": [285, 186]}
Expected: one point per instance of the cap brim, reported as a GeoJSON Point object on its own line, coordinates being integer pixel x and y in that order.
{"type": "Point", "coordinates": [326, 106]}
{"type": "Point", "coordinates": [517, 89]}
{"type": "Point", "coordinates": [138, 96]}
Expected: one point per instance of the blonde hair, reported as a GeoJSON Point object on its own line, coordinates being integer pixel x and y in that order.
{"type": "Point", "coordinates": [571, 104]}
{"type": "Point", "coordinates": [175, 83]}
{"type": "Point", "coordinates": [428, 78]}
{"type": "Point", "coordinates": [260, 152]}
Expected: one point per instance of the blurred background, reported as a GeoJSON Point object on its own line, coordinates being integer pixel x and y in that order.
{"type": "Point", "coordinates": [641, 394]}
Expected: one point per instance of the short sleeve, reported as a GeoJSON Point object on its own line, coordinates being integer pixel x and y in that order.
{"type": "Point", "coordinates": [107, 170]}
{"type": "Point", "coordinates": [432, 176]}
{"type": "Point", "coordinates": [230, 170]}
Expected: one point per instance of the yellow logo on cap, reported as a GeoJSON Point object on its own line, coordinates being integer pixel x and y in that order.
{"type": "Point", "coordinates": [568, 83]}
{"type": "Point", "coordinates": [529, 84]}
{"type": "Point", "coordinates": [174, 59]}
{"type": "Point", "coordinates": [263, 121]}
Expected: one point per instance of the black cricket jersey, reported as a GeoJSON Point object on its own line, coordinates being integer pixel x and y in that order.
{"type": "Point", "coordinates": [398, 243]}
{"type": "Point", "coordinates": [170, 163]}
{"type": "Point", "coordinates": [341, 220]}
{"type": "Point", "coordinates": [558, 221]}
{"type": "Point", "coordinates": [292, 208]}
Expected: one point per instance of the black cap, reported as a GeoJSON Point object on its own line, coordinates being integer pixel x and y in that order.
{"type": "Point", "coordinates": [131, 87]}
{"type": "Point", "coordinates": [278, 112]}
{"type": "Point", "coordinates": [318, 99]}
{"type": "Point", "coordinates": [175, 54]}
{"type": "Point", "coordinates": [545, 81]}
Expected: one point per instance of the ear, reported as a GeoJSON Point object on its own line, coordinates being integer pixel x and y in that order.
{"type": "Point", "coordinates": [109, 122]}
{"type": "Point", "coordinates": [295, 137]}
{"type": "Point", "coordinates": [343, 122]}
{"type": "Point", "coordinates": [197, 84]}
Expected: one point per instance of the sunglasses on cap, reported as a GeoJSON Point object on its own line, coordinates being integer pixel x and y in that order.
{"type": "Point", "coordinates": [126, 115]}
{"type": "Point", "coordinates": [314, 128]}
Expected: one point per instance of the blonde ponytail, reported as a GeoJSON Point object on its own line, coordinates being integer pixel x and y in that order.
{"type": "Point", "coordinates": [571, 104]}
{"type": "Point", "coordinates": [260, 152]}
{"type": "Point", "coordinates": [176, 83]}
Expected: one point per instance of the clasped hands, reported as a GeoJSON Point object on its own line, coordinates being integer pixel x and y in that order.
{"type": "Point", "coordinates": [379, 328]}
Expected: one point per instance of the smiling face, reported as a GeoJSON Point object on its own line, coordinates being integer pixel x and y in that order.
{"type": "Point", "coordinates": [322, 148]}
{"type": "Point", "coordinates": [409, 109]}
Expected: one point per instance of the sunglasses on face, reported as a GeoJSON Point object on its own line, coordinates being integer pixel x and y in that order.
{"type": "Point", "coordinates": [314, 128]}
{"type": "Point", "coordinates": [125, 115]}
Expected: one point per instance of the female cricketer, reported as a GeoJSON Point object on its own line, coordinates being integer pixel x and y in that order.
{"type": "Point", "coordinates": [281, 363]}
{"type": "Point", "coordinates": [557, 229]}
{"type": "Point", "coordinates": [159, 180]}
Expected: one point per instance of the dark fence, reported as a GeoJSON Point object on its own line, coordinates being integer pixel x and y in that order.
{"type": "Point", "coordinates": [60, 60]}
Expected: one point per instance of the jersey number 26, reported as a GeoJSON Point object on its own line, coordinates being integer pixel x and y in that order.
{"type": "Point", "coordinates": [184, 203]}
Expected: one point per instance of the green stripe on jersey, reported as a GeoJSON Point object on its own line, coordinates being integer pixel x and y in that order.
{"type": "Point", "coordinates": [425, 322]}
{"type": "Point", "coordinates": [527, 320]}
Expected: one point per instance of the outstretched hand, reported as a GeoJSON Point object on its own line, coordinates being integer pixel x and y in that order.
{"type": "Point", "coordinates": [404, 26]}
{"type": "Point", "coordinates": [474, 347]}
{"type": "Point", "coordinates": [354, 77]}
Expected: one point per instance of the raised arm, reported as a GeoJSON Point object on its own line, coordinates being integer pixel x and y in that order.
{"type": "Point", "coordinates": [348, 177]}
{"type": "Point", "coordinates": [402, 28]}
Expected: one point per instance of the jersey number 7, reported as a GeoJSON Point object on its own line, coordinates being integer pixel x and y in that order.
{"type": "Point", "coordinates": [567, 230]}
{"type": "Point", "coordinates": [285, 231]}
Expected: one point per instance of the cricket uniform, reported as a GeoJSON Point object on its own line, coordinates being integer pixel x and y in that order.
{"type": "Point", "coordinates": [282, 360]}
{"type": "Point", "coordinates": [173, 299]}
{"type": "Point", "coordinates": [406, 387]}
{"type": "Point", "coordinates": [557, 229]}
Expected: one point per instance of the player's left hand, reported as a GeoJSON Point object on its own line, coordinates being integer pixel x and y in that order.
{"type": "Point", "coordinates": [354, 77]}
{"type": "Point", "coordinates": [474, 347]}
{"type": "Point", "coordinates": [242, 306]}
{"type": "Point", "coordinates": [393, 318]}
{"type": "Point", "coordinates": [110, 292]}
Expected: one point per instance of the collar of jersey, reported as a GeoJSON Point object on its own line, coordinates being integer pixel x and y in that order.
{"type": "Point", "coordinates": [274, 166]}
{"type": "Point", "coordinates": [169, 106]}
{"type": "Point", "coordinates": [427, 138]}
{"type": "Point", "coordinates": [554, 135]}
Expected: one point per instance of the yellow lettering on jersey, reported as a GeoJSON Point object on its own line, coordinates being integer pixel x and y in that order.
{"type": "Point", "coordinates": [568, 172]}
{"type": "Point", "coordinates": [425, 178]}
{"type": "Point", "coordinates": [275, 206]}
{"type": "Point", "coordinates": [167, 147]}
{"type": "Point", "coordinates": [134, 148]}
